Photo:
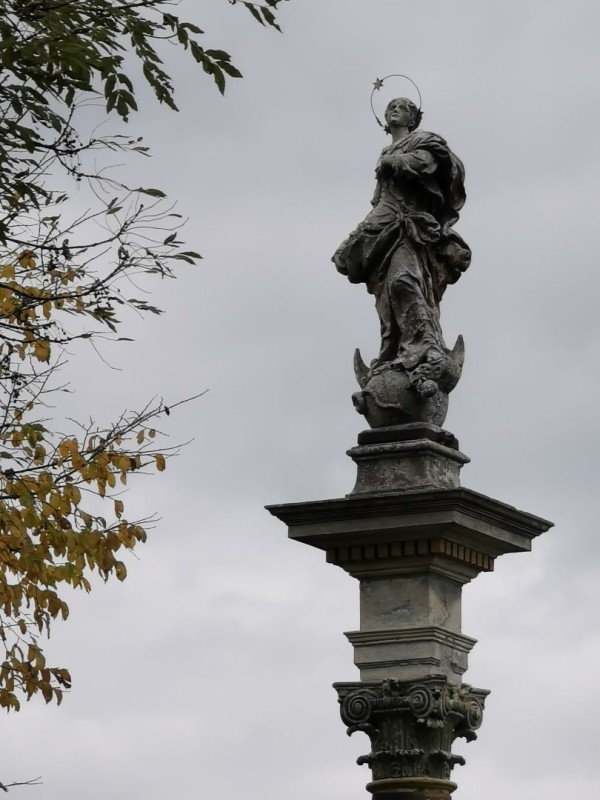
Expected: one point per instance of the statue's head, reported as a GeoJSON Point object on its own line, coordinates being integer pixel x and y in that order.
{"type": "Point", "coordinates": [402, 111]}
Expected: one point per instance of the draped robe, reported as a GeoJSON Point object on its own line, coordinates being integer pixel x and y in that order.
{"type": "Point", "coordinates": [405, 250]}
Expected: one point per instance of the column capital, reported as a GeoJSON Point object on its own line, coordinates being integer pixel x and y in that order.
{"type": "Point", "coordinates": [412, 726]}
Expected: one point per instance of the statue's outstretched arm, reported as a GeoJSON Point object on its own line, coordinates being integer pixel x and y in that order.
{"type": "Point", "coordinates": [418, 162]}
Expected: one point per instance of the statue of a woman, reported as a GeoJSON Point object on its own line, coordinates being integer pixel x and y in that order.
{"type": "Point", "coordinates": [406, 252]}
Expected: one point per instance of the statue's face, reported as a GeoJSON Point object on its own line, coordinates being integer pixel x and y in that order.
{"type": "Point", "coordinates": [398, 113]}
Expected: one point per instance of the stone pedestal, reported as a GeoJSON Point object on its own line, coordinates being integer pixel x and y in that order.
{"type": "Point", "coordinates": [406, 458]}
{"type": "Point", "coordinates": [412, 536]}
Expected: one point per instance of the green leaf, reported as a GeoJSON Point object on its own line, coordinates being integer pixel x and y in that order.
{"type": "Point", "coordinates": [191, 27]}
{"type": "Point", "coordinates": [254, 13]}
{"type": "Point", "coordinates": [219, 79]}
{"type": "Point", "coordinates": [232, 71]}
{"type": "Point", "coordinates": [151, 192]}
{"type": "Point", "coordinates": [219, 55]}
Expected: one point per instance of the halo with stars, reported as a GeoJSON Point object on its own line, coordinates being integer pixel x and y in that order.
{"type": "Point", "coordinates": [378, 84]}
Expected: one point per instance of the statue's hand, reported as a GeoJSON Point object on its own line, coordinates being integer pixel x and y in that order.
{"type": "Point", "coordinates": [385, 166]}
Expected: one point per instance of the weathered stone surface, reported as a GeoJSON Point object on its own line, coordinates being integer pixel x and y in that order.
{"type": "Point", "coordinates": [408, 531]}
{"type": "Point", "coordinates": [407, 252]}
{"type": "Point", "coordinates": [417, 600]}
{"type": "Point", "coordinates": [412, 726]}
{"type": "Point", "coordinates": [411, 552]}
{"type": "Point", "coordinates": [409, 432]}
{"type": "Point", "coordinates": [411, 789]}
{"type": "Point", "coordinates": [411, 653]}
{"type": "Point", "coordinates": [406, 466]}
{"type": "Point", "coordinates": [404, 458]}
{"type": "Point", "coordinates": [412, 537]}
{"type": "Point", "coordinates": [457, 532]}
{"type": "Point", "coordinates": [410, 628]}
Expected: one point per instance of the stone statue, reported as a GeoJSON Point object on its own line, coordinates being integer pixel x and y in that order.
{"type": "Point", "coordinates": [406, 252]}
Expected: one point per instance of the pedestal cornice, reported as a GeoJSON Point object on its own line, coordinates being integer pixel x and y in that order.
{"type": "Point", "coordinates": [404, 531]}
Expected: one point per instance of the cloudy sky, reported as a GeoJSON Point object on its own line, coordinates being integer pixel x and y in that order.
{"type": "Point", "coordinates": [209, 671]}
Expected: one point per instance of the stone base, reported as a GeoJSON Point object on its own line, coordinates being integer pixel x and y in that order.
{"type": "Point", "coordinates": [411, 789]}
{"type": "Point", "coordinates": [406, 458]}
{"type": "Point", "coordinates": [410, 432]}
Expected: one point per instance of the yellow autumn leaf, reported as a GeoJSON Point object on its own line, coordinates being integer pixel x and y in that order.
{"type": "Point", "coordinates": [73, 494]}
{"type": "Point", "coordinates": [30, 519]}
{"type": "Point", "coordinates": [45, 482]}
{"type": "Point", "coordinates": [119, 507]}
{"type": "Point", "coordinates": [47, 510]}
{"type": "Point", "coordinates": [78, 461]}
{"type": "Point", "coordinates": [41, 349]}
{"type": "Point", "coordinates": [55, 500]}
{"type": "Point", "coordinates": [65, 447]}
{"type": "Point", "coordinates": [87, 519]}
{"type": "Point", "coordinates": [7, 271]}
{"type": "Point", "coordinates": [160, 462]}
{"type": "Point", "coordinates": [27, 259]}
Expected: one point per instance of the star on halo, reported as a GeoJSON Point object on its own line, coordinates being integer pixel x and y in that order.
{"type": "Point", "coordinates": [378, 84]}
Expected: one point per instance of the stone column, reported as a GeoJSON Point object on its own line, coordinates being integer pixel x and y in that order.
{"type": "Point", "coordinates": [412, 536]}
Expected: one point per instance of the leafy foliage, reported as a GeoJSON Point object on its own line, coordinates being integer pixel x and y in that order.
{"type": "Point", "coordinates": [65, 276]}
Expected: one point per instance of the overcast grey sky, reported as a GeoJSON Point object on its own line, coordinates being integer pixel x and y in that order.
{"type": "Point", "coordinates": [210, 669]}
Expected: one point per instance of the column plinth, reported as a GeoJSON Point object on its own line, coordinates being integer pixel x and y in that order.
{"type": "Point", "coordinates": [406, 458]}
